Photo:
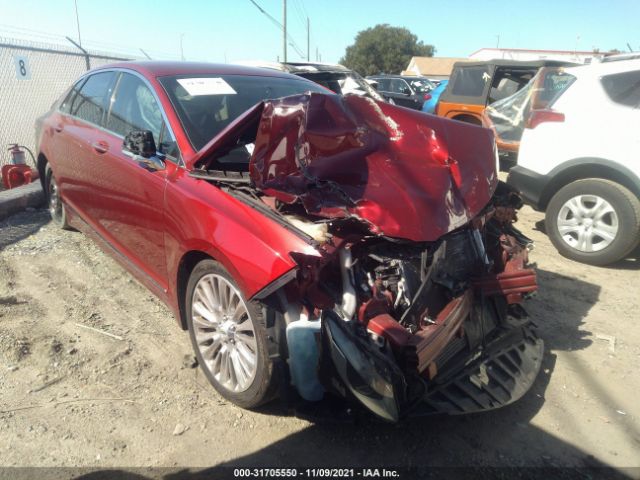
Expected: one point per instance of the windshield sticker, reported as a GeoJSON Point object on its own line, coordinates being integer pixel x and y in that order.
{"type": "Point", "coordinates": [206, 86]}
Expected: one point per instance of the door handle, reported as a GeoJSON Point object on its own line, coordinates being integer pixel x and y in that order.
{"type": "Point", "coordinates": [100, 147]}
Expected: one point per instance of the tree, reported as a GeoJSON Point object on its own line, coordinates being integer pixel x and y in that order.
{"type": "Point", "coordinates": [384, 49]}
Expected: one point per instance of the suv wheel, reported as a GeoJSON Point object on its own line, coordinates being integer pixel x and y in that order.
{"type": "Point", "coordinates": [229, 337]}
{"type": "Point", "coordinates": [594, 221]}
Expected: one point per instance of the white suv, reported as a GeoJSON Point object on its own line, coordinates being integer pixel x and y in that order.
{"type": "Point", "coordinates": [579, 160]}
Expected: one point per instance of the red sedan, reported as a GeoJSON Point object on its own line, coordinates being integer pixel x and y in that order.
{"type": "Point", "coordinates": [308, 241]}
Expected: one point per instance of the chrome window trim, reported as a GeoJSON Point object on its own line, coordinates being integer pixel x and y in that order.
{"type": "Point", "coordinates": [178, 161]}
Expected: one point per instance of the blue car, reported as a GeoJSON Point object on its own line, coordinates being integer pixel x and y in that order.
{"type": "Point", "coordinates": [430, 105]}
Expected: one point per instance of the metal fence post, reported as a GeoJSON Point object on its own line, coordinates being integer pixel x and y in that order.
{"type": "Point", "coordinates": [86, 54]}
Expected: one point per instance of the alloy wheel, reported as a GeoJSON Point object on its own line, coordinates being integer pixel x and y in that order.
{"type": "Point", "coordinates": [55, 203]}
{"type": "Point", "coordinates": [587, 223]}
{"type": "Point", "coordinates": [224, 333]}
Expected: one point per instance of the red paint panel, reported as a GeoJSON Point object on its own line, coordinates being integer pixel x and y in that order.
{"type": "Point", "coordinates": [407, 174]}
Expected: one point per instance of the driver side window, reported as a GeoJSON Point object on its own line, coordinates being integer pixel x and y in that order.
{"type": "Point", "coordinates": [134, 107]}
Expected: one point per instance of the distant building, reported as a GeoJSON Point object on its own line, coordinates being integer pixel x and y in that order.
{"type": "Point", "coordinates": [574, 56]}
{"type": "Point", "coordinates": [437, 68]}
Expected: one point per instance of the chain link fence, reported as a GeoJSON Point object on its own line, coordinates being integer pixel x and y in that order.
{"type": "Point", "coordinates": [32, 76]}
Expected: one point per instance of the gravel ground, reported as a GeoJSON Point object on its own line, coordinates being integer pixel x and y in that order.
{"type": "Point", "coordinates": [72, 396]}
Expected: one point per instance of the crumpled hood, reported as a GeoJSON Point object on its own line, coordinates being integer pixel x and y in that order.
{"type": "Point", "coordinates": [406, 174]}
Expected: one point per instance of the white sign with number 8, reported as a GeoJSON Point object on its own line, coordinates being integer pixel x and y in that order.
{"type": "Point", "coordinates": [23, 72]}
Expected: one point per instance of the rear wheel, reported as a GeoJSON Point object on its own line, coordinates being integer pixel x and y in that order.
{"type": "Point", "coordinates": [229, 337]}
{"type": "Point", "coordinates": [54, 201]}
{"type": "Point", "coordinates": [594, 221]}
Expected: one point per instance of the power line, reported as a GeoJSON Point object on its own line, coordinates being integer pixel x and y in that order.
{"type": "Point", "coordinates": [301, 16]}
{"type": "Point", "coordinates": [290, 40]}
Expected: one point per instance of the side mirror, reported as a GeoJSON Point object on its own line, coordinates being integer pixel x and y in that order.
{"type": "Point", "coordinates": [140, 142]}
{"type": "Point", "coordinates": [141, 146]}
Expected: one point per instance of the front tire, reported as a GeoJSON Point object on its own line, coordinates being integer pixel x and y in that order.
{"type": "Point", "coordinates": [55, 204]}
{"type": "Point", "coordinates": [229, 336]}
{"type": "Point", "coordinates": [594, 221]}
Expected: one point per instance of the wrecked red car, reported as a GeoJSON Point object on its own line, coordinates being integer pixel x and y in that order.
{"type": "Point", "coordinates": [322, 244]}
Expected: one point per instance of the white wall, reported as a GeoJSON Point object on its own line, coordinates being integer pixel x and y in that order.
{"type": "Point", "coordinates": [528, 55]}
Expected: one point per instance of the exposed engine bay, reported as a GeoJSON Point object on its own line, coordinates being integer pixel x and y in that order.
{"type": "Point", "coordinates": [408, 299]}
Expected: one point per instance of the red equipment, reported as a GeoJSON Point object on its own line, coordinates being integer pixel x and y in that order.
{"type": "Point", "coordinates": [17, 172]}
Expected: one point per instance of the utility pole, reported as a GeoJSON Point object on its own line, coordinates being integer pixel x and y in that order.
{"type": "Point", "coordinates": [284, 30]}
{"type": "Point", "coordinates": [78, 22]}
{"type": "Point", "coordinates": [498, 41]}
{"type": "Point", "coordinates": [181, 49]}
{"type": "Point", "coordinates": [308, 36]}
{"type": "Point", "coordinates": [316, 54]}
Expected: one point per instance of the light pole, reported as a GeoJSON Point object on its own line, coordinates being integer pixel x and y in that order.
{"type": "Point", "coordinates": [284, 30]}
{"type": "Point", "coordinates": [181, 50]}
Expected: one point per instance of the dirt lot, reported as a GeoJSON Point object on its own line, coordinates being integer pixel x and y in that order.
{"type": "Point", "coordinates": [75, 397]}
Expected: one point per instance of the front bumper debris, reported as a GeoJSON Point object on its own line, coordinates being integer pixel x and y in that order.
{"type": "Point", "coordinates": [505, 370]}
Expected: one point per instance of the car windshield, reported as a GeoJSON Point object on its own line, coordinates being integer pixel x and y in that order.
{"type": "Point", "coordinates": [206, 104]}
{"type": "Point", "coordinates": [422, 85]}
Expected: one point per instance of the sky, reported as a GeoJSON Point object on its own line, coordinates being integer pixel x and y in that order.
{"type": "Point", "coordinates": [236, 30]}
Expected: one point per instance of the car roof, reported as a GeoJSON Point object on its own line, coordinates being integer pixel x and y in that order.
{"type": "Point", "coordinates": [516, 63]}
{"type": "Point", "coordinates": [164, 68]}
{"type": "Point", "coordinates": [317, 67]}
{"type": "Point", "coordinates": [605, 68]}
{"type": "Point", "coordinates": [297, 67]}
{"type": "Point", "coordinates": [390, 75]}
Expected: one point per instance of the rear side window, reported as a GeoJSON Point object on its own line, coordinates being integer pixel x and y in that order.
{"type": "Point", "coordinates": [398, 86]}
{"type": "Point", "coordinates": [65, 106]}
{"type": "Point", "coordinates": [383, 84]}
{"type": "Point", "coordinates": [623, 88]}
{"type": "Point", "coordinates": [470, 81]}
{"type": "Point", "coordinates": [89, 103]}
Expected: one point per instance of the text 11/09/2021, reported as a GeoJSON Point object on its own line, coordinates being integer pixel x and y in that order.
{"type": "Point", "coordinates": [347, 473]}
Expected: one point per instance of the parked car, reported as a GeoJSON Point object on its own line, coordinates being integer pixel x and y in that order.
{"type": "Point", "coordinates": [474, 85]}
{"type": "Point", "coordinates": [297, 239]}
{"type": "Point", "coordinates": [432, 98]}
{"type": "Point", "coordinates": [335, 77]}
{"type": "Point", "coordinates": [408, 92]}
{"type": "Point", "coordinates": [578, 159]}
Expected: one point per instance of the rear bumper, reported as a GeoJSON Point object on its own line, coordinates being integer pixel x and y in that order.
{"type": "Point", "coordinates": [501, 374]}
{"type": "Point", "coordinates": [530, 184]}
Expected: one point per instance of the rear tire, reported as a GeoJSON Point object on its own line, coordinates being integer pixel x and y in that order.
{"type": "Point", "coordinates": [594, 221]}
{"type": "Point", "coordinates": [229, 337]}
{"type": "Point", "coordinates": [56, 206]}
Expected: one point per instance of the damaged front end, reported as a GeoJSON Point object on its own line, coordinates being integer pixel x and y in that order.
{"type": "Point", "coordinates": [410, 301]}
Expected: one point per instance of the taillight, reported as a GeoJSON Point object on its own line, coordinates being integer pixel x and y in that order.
{"type": "Point", "coordinates": [536, 117]}
{"type": "Point", "coordinates": [427, 97]}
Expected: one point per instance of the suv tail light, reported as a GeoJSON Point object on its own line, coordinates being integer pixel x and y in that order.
{"type": "Point", "coordinates": [536, 117]}
{"type": "Point", "coordinates": [427, 96]}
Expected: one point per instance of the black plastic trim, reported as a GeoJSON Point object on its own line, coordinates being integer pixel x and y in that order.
{"type": "Point", "coordinates": [530, 184]}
